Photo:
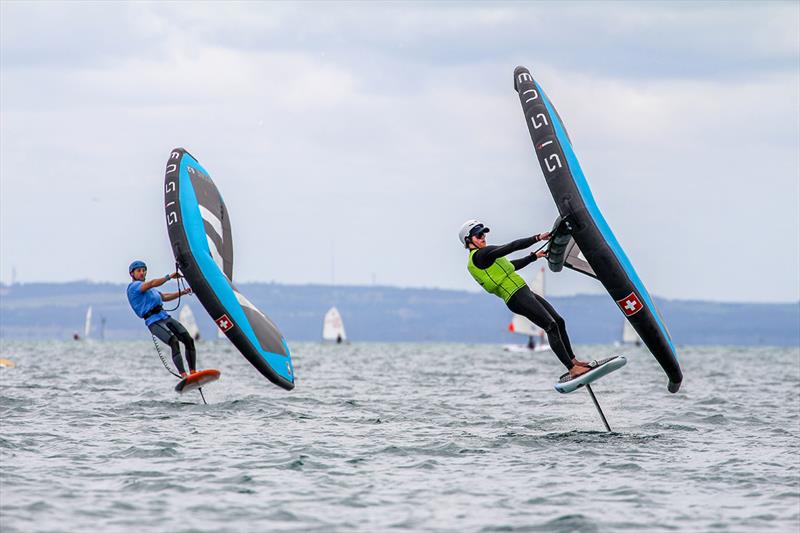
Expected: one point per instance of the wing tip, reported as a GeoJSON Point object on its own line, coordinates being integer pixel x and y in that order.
{"type": "Point", "coordinates": [516, 73]}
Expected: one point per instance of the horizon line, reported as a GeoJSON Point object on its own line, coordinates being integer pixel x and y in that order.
{"type": "Point", "coordinates": [4, 285]}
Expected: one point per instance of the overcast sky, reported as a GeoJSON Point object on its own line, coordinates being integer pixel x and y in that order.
{"type": "Point", "coordinates": [351, 140]}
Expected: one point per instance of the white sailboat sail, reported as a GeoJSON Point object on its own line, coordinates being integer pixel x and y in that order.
{"type": "Point", "coordinates": [523, 326]}
{"type": "Point", "coordinates": [186, 318]}
{"type": "Point", "coordinates": [87, 325]}
{"type": "Point", "coordinates": [333, 327]}
{"type": "Point", "coordinates": [629, 335]}
{"type": "Point", "coordinates": [538, 283]}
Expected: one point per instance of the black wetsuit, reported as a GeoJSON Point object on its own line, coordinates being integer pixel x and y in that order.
{"type": "Point", "coordinates": [524, 302]}
{"type": "Point", "coordinates": [170, 331]}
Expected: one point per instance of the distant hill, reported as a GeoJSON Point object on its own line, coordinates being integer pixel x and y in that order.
{"type": "Point", "coordinates": [373, 313]}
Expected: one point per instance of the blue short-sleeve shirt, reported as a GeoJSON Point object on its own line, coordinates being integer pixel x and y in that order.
{"type": "Point", "coordinates": [142, 302]}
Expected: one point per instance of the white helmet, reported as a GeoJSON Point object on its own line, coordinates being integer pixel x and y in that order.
{"type": "Point", "coordinates": [470, 228]}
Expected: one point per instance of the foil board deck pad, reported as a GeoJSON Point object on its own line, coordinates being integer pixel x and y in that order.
{"type": "Point", "coordinates": [601, 368]}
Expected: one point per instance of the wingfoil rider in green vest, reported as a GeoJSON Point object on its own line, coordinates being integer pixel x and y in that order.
{"type": "Point", "coordinates": [490, 268]}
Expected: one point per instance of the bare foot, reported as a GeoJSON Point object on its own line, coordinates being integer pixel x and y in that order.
{"type": "Point", "coordinates": [581, 363]}
{"type": "Point", "coordinates": [184, 374]}
{"type": "Point", "coordinates": [576, 371]}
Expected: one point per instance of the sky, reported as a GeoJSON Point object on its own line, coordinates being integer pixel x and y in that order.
{"type": "Point", "coordinates": [351, 140]}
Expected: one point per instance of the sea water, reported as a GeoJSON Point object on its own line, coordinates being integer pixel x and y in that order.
{"type": "Point", "coordinates": [379, 437]}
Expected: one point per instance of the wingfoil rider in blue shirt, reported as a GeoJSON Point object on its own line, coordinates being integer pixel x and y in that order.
{"type": "Point", "coordinates": [146, 302]}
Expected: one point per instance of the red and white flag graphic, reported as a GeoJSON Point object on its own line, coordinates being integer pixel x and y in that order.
{"type": "Point", "coordinates": [630, 305]}
{"type": "Point", "coordinates": [224, 323]}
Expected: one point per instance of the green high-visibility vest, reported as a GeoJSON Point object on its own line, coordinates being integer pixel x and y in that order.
{"type": "Point", "coordinates": [499, 279]}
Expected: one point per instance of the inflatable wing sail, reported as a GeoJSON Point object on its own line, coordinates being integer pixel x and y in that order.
{"type": "Point", "coordinates": [582, 239]}
{"type": "Point", "coordinates": [200, 234]}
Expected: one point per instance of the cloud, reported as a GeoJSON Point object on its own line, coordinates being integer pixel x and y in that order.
{"type": "Point", "coordinates": [365, 134]}
{"type": "Point", "coordinates": [653, 40]}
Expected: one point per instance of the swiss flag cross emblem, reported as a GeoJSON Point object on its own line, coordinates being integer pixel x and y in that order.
{"type": "Point", "coordinates": [224, 323]}
{"type": "Point", "coordinates": [630, 305]}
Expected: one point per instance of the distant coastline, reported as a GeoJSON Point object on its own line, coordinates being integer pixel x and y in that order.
{"type": "Point", "coordinates": [392, 314]}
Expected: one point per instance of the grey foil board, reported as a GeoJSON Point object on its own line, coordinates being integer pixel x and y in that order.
{"type": "Point", "coordinates": [605, 367]}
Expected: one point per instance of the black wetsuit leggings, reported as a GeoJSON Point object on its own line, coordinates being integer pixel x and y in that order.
{"type": "Point", "coordinates": [171, 331]}
{"type": "Point", "coordinates": [536, 309]}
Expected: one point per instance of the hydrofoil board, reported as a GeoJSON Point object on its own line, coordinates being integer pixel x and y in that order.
{"type": "Point", "coordinates": [197, 380]}
{"type": "Point", "coordinates": [600, 368]}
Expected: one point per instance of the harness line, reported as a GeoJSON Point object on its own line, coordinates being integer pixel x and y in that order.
{"type": "Point", "coordinates": [161, 356]}
{"type": "Point", "coordinates": [166, 365]}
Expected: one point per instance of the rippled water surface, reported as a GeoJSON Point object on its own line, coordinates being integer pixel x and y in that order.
{"type": "Point", "coordinates": [438, 437]}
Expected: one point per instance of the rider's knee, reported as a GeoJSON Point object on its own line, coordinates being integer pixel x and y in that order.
{"type": "Point", "coordinates": [173, 343]}
{"type": "Point", "coordinates": [187, 340]}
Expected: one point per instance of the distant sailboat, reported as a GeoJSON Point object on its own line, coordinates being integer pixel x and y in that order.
{"type": "Point", "coordinates": [186, 317]}
{"type": "Point", "coordinates": [537, 338]}
{"type": "Point", "coordinates": [538, 283]}
{"type": "Point", "coordinates": [87, 324]}
{"type": "Point", "coordinates": [333, 327]}
{"type": "Point", "coordinates": [629, 335]}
